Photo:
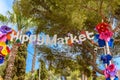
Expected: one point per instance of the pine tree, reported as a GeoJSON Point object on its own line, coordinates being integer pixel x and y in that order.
{"type": "Point", "coordinates": [43, 71]}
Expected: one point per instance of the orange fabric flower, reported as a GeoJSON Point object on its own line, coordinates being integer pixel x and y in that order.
{"type": "Point", "coordinates": [9, 34]}
{"type": "Point", "coordinates": [70, 42]}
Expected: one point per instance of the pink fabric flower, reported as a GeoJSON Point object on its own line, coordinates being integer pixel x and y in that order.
{"type": "Point", "coordinates": [106, 35]}
{"type": "Point", "coordinates": [3, 37]}
{"type": "Point", "coordinates": [106, 73]}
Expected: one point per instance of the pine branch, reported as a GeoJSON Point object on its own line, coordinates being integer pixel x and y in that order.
{"type": "Point", "coordinates": [90, 8]}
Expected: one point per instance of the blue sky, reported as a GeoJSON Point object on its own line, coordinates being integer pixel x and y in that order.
{"type": "Point", "coordinates": [6, 5]}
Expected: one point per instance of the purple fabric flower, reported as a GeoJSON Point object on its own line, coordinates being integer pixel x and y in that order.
{"type": "Point", "coordinates": [5, 29]}
{"type": "Point", "coordinates": [113, 73]}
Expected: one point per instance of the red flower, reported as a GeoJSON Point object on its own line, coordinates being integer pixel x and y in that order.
{"type": "Point", "coordinates": [111, 68]}
{"type": "Point", "coordinates": [8, 49]}
{"type": "Point", "coordinates": [102, 27]}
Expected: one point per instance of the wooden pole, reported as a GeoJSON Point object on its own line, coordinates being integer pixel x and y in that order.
{"type": "Point", "coordinates": [108, 52]}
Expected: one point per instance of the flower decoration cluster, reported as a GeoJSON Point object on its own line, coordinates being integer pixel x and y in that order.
{"type": "Point", "coordinates": [104, 39]}
{"type": "Point", "coordinates": [5, 36]}
{"type": "Point", "coordinates": [105, 33]}
{"type": "Point", "coordinates": [5, 32]}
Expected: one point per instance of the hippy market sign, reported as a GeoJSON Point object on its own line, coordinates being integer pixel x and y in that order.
{"type": "Point", "coordinates": [40, 40]}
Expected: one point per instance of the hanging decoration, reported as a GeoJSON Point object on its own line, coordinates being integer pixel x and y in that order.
{"type": "Point", "coordinates": [5, 33]}
{"type": "Point", "coordinates": [104, 39]}
{"type": "Point", "coordinates": [1, 59]}
{"type": "Point", "coordinates": [70, 42]}
{"type": "Point", "coordinates": [102, 43]}
{"type": "Point", "coordinates": [106, 59]}
{"type": "Point", "coordinates": [28, 33]}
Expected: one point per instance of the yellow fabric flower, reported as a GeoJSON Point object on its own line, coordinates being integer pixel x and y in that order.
{"type": "Point", "coordinates": [4, 50]}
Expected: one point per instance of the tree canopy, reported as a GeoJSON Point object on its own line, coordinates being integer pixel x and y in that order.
{"type": "Point", "coordinates": [68, 16]}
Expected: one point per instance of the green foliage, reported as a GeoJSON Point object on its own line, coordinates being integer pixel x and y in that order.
{"type": "Point", "coordinates": [75, 75]}
{"type": "Point", "coordinates": [117, 12]}
{"type": "Point", "coordinates": [61, 17]}
{"type": "Point", "coordinates": [100, 78]}
{"type": "Point", "coordinates": [3, 18]}
{"type": "Point", "coordinates": [2, 69]}
{"type": "Point", "coordinates": [43, 71]}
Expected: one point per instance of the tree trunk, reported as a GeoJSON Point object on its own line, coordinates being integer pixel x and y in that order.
{"type": "Point", "coordinates": [34, 60]}
{"type": "Point", "coordinates": [82, 78]}
{"type": "Point", "coordinates": [63, 78]}
{"type": "Point", "coordinates": [34, 56]}
{"type": "Point", "coordinates": [94, 75]}
{"type": "Point", "coordinates": [118, 74]}
{"type": "Point", "coordinates": [85, 77]}
{"type": "Point", "coordinates": [20, 63]}
{"type": "Point", "coordinates": [9, 69]}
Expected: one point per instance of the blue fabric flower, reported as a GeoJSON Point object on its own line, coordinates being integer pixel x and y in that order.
{"type": "Point", "coordinates": [111, 42]}
{"type": "Point", "coordinates": [1, 59]}
{"type": "Point", "coordinates": [96, 37]}
{"type": "Point", "coordinates": [116, 78]}
{"type": "Point", "coordinates": [106, 59]}
{"type": "Point", "coordinates": [7, 42]}
{"type": "Point", "coordinates": [107, 78]}
{"type": "Point", "coordinates": [28, 33]}
{"type": "Point", "coordinates": [102, 43]}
